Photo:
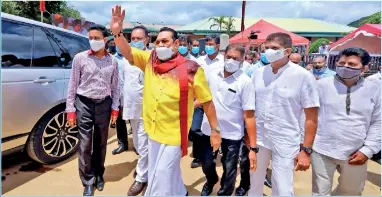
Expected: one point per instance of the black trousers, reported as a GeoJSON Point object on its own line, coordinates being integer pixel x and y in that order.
{"type": "Point", "coordinates": [244, 167]}
{"type": "Point", "coordinates": [121, 130]}
{"type": "Point", "coordinates": [92, 151]}
{"type": "Point", "coordinates": [230, 149]}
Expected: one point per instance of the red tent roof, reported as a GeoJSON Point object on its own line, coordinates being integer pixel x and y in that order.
{"type": "Point", "coordinates": [369, 28]}
{"type": "Point", "coordinates": [265, 29]}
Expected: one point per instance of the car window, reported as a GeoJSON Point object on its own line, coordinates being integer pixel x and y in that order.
{"type": "Point", "coordinates": [69, 45]}
{"type": "Point", "coordinates": [16, 45]}
{"type": "Point", "coordinates": [43, 53]}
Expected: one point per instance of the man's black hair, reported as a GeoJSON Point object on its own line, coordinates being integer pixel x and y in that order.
{"type": "Point", "coordinates": [282, 38]}
{"type": "Point", "coordinates": [142, 28]}
{"type": "Point", "coordinates": [215, 38]}
{"type": "Point", "coordinates": [174, 33]}
{"type": "Point", "coordinates": [184, 39]}
{"type": "Point", "coordinates": [100, 28]}
{"type": "Point", "coordinates": [356, 51]}
{"type": "Point", "coordinates": [236, 47]}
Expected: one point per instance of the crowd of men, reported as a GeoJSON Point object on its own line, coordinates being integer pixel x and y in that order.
{"type": "Point", "coordinates": [256, 109]}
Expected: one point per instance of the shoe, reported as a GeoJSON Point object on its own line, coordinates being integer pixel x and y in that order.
{"type": "Point", "coordinates": [100, 183]}
{"type": "Point", "coordinates": [135, 174]}
{"type": "Point", "coordinates": [267, 182]}
{"type": "Point", "coordinates": [207, 188]}
{"type": "Point", "coordinates": [136, 188]}
{"type": "Point", "coordinates": [119, 150]}
{"type": "Point", "coordinates": [240, 191]}
{"type": "Point", "coordinates": [89, 190]}
{"type": "Point", "coordinates": [195, 163]}
{"type": "Point", "coordinates": [112, 126]}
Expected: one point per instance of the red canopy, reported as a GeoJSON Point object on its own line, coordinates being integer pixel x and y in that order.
{"type": "Point", "coordinates": [367, 36]}
{"type": "Point", "coordinates": [265, 29]}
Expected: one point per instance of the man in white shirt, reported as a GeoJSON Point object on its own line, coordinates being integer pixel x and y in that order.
{"type": "Point", "coordinates": [233, 93]}
{"type": "Point", "coordinates": [284, 91]}
{"type": "Point", "coordinates": [213, 61]}
{"type": "Point", "coordinates": [349, 130]}
{"type": "Point", "coordinates": [133, 91]}
{"type": "Point", "coordinates": [323, 49]}
{"type": "Point", "coordinates": [377, 76]}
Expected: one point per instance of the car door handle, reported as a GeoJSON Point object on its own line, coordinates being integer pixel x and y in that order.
{"type": "Point", "coordinates": [44, 80]}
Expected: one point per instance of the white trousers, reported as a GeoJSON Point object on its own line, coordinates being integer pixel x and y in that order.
{"type": "Point", "coordinates": [165, 176]}
{"type": "Point", "coordinates": [140, 141]}
{"type": "Point", "coordinates": [350, 183]}
{"type": "Point", "coordinates": [282, 174]}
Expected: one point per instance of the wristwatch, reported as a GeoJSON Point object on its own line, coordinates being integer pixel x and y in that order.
{"type": "Point", "coordinates": [216, 129]}
{"type": "Point", "coordinates": [256, 149]}
{"type": "Point", "coordinates": [306, 149]}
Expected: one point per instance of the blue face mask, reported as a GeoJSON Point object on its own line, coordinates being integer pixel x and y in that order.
{"type": "Point", "coordinates": [182, 50]}
{"type": "Point", "coordinates": [139, 44]}
{"type": "Point", "coordinates": [210, 50]}
{"type": "Point", "coordinates": [263, 58]}
{"type": "Point", "coordinates": [319, 71]}
{"type": "Point", "coordinates": [195, 50]}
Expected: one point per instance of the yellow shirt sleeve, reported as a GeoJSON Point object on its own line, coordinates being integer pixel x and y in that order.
{"type": "Point", "coordinates": [201, 88]}
{"type": "Point", "coordinates": [141, 58]}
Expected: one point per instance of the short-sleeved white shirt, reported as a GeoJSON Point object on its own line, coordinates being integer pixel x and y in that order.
{"type": "Point", "coordinates": [280, 101]}
{"type": "Point", "coordinates": [209, 65]}
{"type": "Point", "coordinates": [231, 96]}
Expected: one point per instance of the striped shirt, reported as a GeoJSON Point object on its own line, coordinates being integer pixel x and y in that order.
{"type": "Point", "coordinates": [93, 78]}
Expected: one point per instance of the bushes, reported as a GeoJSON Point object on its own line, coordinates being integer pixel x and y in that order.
{"type": "Point", "coordinates": [313, 48]}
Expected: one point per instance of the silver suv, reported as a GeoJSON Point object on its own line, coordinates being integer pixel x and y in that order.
{"type": "Point", "coordinates": [35, 71]}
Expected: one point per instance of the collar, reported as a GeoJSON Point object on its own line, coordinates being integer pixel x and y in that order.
{"type": "Point", "coordinates": [218, 56]}
{"type": "Point", "coordinates": [236, 74]}
{"type": "Point", "coordinates": [91, 52]}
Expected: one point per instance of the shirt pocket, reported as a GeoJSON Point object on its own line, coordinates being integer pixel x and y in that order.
{"type": "Point", "coordinates": [231, 98]}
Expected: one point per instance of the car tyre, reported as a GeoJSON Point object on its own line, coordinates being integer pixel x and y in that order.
{"type": "Point", "coordinates": [50, 140]}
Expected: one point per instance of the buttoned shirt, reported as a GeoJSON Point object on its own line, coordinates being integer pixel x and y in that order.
{"type": "Point", "coordinates": [375, 77]}
{"type": "Point", "coordinates": [341, 131]}
{"type": "Point", "coordinates": [280, 100]}
{"type": "Point", "coordinates": [133, 91]}
{"type": "Point", "coordinates": [231, 96]}
{"type": "Point", "coordinates": [93, 78]}
{"type": "Point", "coordinates": [209, 65]}
{"type": "Point", "coordinates": [161, 96]}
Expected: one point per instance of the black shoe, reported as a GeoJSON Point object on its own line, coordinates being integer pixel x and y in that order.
{"type": "Point", "coordinates": [89, 190]}
{"type": "Point", "coordinates": [240, 191]}
{"type": "Point", "coordinates": [207, 188]}
{"type": "Point", "coordinates": [100, 183]}
{"type": "Point", "coordinates": [119, 150]}
{"type": "Point", "coordinates": [196, 163]}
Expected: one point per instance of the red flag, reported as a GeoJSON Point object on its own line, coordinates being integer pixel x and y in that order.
{"type": "Point", "coordinates": [42, 6]}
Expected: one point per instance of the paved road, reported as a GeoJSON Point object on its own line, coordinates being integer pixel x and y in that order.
{"type": "Point", "coordinates": [20, 176]}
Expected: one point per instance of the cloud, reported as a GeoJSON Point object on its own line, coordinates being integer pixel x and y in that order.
{"type": "Point", "coordinates": [176, 12]}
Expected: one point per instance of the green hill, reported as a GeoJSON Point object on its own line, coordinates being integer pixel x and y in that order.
{"type": "Point", "coordinates": [372, 19]}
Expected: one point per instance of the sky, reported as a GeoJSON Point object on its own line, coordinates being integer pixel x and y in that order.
{"type": "Point", "coordinates": [185, 12]}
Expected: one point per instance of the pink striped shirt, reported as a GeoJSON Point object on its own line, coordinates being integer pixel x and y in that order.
{"type": "Point", "coordinates": [93, 78]}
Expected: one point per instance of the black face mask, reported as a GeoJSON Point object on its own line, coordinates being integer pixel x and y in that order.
{"type": "Point", "coordinates": [112, 49]}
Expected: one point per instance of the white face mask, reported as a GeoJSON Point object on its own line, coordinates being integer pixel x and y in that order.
{"type": "Point", "coordinates": [164, 53]}
{"type": "Point", "coordinates": [231, 65]}
{"type": "Point", "coordinates": [274, 55]}
{"type": "Point", "coordinates": [96, 45]}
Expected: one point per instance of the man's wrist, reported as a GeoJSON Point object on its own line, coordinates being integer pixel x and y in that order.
{"type": "Point", "coordinates": [215, 129]}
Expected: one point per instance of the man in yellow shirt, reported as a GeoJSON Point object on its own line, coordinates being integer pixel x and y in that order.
{"type": "Point", "coordinates": [171, 84]}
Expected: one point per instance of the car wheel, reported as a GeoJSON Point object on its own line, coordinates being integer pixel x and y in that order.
{"type": "Point", "coordinates": [51, 140]}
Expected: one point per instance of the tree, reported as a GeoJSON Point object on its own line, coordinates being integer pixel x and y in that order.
{"type": "Point", "coordinates": [229, 25]}
{"type": "Point", "coordinates": [219, 22]}
{"type": "Point", "coordinates": [313, 48]}
{"type": "Point", "coordinates": [372, 19]}
{"type": "Point", "coordinates": [31, 9]}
